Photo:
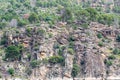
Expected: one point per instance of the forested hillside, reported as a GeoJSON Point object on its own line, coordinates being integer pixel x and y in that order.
{"type": "Point", "coordinates": [59, 39]}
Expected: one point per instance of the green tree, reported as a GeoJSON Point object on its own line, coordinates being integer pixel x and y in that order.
{"type": "Point", "coordinates": [106, 19]}
{"type": "Point", "coordinates": [118, 38]}
{"type": "Point", "coordinates": [33, 17]}
{"type": "Point", "coordinates": [56, 59]}
{"type": "Point", "coordinates": [67, 15]}
{"type": "Point", "coordinates": [34, 63]}
{"type": "Point", "coordinates": [21, 23]}
{"type": "Point", "coordinates": [11, 71]}
{"type": "Point", "coordinates": [71, 51]}
{"type": "Point", "coordinates": [93, 13]}
{"type": "Point", "coordinates": [99, 35]}
{"type": "Point", "coordinates": [12, 53]}
{"type": "Point", "coordinates": [116, 51]}
{"type": "Point", "coordinates": [75, 70]}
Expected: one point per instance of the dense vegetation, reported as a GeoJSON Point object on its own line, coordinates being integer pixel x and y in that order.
{"type": "Point", "coordinates": [25, 14]}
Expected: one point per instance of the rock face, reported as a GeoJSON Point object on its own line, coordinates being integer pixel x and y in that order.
{"type": "Point", "coordinates": [88, 54]}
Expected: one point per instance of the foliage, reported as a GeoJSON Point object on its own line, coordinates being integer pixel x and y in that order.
{"type": "Point", "coordinates": [71, 51]}
{"type": "Point", "coordinates": [13, 52]}
{"type": "Point", "coordinates": [112, 57]}
{"type": "Point", "coordinates": [28, 31]}
{"type": "Point", "coordinates": [61, 50]}
{"type": "Point", "coordinates": [118, 38]}
{"type": "Point", "coordinates": [100, 44]}
{"type": "Point", "coordinates": [116, 51]}
{"type": "Point", "coordinates": [99, 35]}
{"type": "Point", "coordinates": [116, 9]}
{"type": "Point", "coordinates": [3, 40]}
{"type": "Point", "coordinates": [2, 25]}
{"type": "Point", "coordinates": [105, 19]}
{"type": "Point", "coordinates": [75, 70]}
{"type": "Point", "coordinates": [108, 62]}
{"type": "Point", "coordinates": [67, 15]}
{"type": "Point", "coordinates": [33, 18]}
{"type": "Point", "coordinates": [11, 71]}
{"type": "Point", "coordinates": [21, 22]}
{"type": "Point", "coordinates": [34, 63]}
{"type": "Point", "coordinates": [56, 59]}
{"type": "Point", "coordinates": [93, 13]}
{"type": "Point", "coordinates": [41, 32]}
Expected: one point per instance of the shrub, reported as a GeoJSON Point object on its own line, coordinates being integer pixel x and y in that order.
{"type": "Point", "coordinates": [100, 44]}
{"type": "Point", "coordinates": [111, 57]}
{"type": "Point", "coordinates": [71, 38]}
{"type": "Point", "coordinates": [34, 63]}
{"type": "Point", "coordinates": [2, 25]}
{"type": "Point", "coordinates": [33, 17]}
{"type": "Point", "coordinates": [108, 62]}
{"type": "Point", "coordinates": [75, 70]}
{"type": "Point", "coordinates": [71, 44]}
{"type": "Point", "coordinates": [116, 51]}
{"type": "Point", "coordinates": [12, 52]}
{"type": "Point", "coordinates": [61, 50]}
{"type": "Point", "coordinates": [28, 31]}
{"type": "Point", "coordinates": [99, 35]}
{"type": "Point", "coordinates": [56, 59]}
{"type": "Point", "coordinates": [118, 38]}
{"type": "Point", "coordinates": [11, 71]}
{"type": "Point", "coordinates": [22, 23]}
{"type": "Point", "coordinates": [70, 51]}
{"type": "Point", "coordinates": [41, 32]}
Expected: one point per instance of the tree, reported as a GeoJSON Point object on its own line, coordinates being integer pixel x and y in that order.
{"type": "Point", "coordinates": [75, 70]}
{"type": "Point", "coordinates": [106, 19]}
{"type": "Point", "coordinates": [93, 13]}
{"type": "Point", "coordinates": [21, 23]}
{"type": "Point", "coordinates": [56, 59]}
{"type": "Point", "coordinates": [12, 53]}
{"type": "Point", "coordinates": [99, 35]}
{"type": "Point", "coordinates": [33, 17]}
{"type": "Point", "coordinates": [118, 38]}
{"type": "Point", "coordinates": [11, 71]}
{"type": "Point", "coordinates": [67, 15]}
{"type": "Point", "coordinates": [71, 51]}
{"type": "Point", "coordinates": [116, 51]}
{"type": "Point", "coordinates": [116, 9]}
{"type": "Point", "coordinates": [34, 63]}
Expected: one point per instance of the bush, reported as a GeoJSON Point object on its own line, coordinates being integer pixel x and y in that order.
{"type": "Point", "coordinates": [28, 31]}
{"type": "Point", "coordinates": [99, 35]}
{"type": "Point", "coordinates": [116, 9]}
{"type": "Point", "coordinates": [75, 70]}
{"type": "Point", "coordinates": [33, 18]}
{"type": "Point", "coordinates": [21, 23]}
{"type": "Point", "coordinates": [116, 51]}
{"type": "Point", "coordinates": [12, 52]}
{"type": "Point", "coordinates": [118, 38]}
{"type": "Point", "coordinates": [34, 63]}
{"type": "Point", "coordinates": [100, 44]}
{"type": "Point", "coordinates": [111, 57]}
{"type": "Point", "coordinates": [41, 32]}
{"type": "Point", "coordinates": [71, 38]}
{"type": "Point", "coordinates": [61, 50]}
{"type": "Point", "coordinates": [2, 25]}
{"type": "Point", "coordinates": [70, 51]}
{"type": "Point", "coordinates": [108, 62]}
{"type": "Point", "coordinates": [56, 59]}
{"type": "Point", "coordinates": [11, 71]}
